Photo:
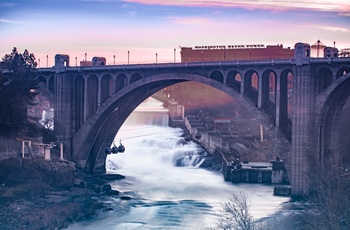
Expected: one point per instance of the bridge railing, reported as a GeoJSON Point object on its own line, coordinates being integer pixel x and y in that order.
{"type": "Point", "coordinates": [330, 59]}
{"type": "Point", "coordinates": [193, 64]}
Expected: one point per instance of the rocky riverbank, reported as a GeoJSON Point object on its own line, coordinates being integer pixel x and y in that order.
{"type": "Point", "coordinates": [39, 194]}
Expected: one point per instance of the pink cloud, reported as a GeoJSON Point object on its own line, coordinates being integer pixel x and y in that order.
{"type": "Point", "coordinates": [191, 20]}
{"type": "Point", "coordinates": [330, 28]}
{"type": "Point", "coordinates": [341, 6]}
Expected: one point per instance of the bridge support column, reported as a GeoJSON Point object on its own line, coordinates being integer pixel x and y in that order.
{"type": "Point", "coordinates": [278, 100]}
{"type": "Point", "coordinates": [85, 100]}
{"type": "Point", "coordinates": [63, 110]}
{"type": "Point", "coordinates": [113, 86]}
{"type": "Point", "coordinates": [302, 129]}
{"type": "Point", "coordinates": [242, 85]}
{"type": "Point", "coordinates": [260, 94]}
{"type": "Point", "coordinates": [99, 92]}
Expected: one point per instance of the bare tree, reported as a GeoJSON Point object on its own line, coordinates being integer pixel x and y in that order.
{"type": "Point", "coordinates": [236, 214]}
{"type": "Point", "coordinates": [47, 123]}
{"type": "Point", "coordinates": [330, 203]}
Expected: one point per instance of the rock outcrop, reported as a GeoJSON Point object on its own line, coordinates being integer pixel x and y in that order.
{"type": "Point", "coordinates": [40, 194]}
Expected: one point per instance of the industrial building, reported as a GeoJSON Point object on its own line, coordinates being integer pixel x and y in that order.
{"type": "Point", "coordinates": [235, 52]}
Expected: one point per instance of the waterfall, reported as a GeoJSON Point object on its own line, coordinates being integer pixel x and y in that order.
{"type": "Point", "coordinates": [146, 134]}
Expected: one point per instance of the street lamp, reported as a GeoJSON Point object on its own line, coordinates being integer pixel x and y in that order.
{"type": "Point", "coordinates": [76, 61]}
{"type": "Point", "coordinates": [113, 59]}
{"type": "Point", "coordinates": [47, 60]}
{"type": "Point", "coordinates": [201, 56]}
{"type": "Point", "coordinates": [85, 57]}
{"type": "Point", "coordinates": [128, 57]}
{"type": "Point", "coordinates": [174, 55]}
{"type": "Point", "coordinates": [156, 57]}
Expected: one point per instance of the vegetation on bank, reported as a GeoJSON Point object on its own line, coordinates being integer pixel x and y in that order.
{"type": "Point", "coordinates": [18, 91]}
{"type": "Point", "coordinates": [326, 208]}
{"type": "Point", "coordinates": [329, 202]}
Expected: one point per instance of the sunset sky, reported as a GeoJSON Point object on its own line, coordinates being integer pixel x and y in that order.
{"type": "Point", "coordinates": [146, 27]}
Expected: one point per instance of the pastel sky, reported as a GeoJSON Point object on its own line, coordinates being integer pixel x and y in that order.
{"type": "Point", "coordinates": [146, 27]}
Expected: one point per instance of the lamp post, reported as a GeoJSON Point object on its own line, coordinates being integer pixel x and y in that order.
{"type": "Point", "coordinates": [47, 60]}
{"type": "Point", "coordinates": [201, 56]}
{"type": "Point", "coordinates": [128, 57]}
{"type": "Point", "coordinates": [76, 61]}
{"type": "Point", "coordinates": [174, 55]}
{"type": "Point", "coordinates": [85, 57]}
{"type": "Point", "coordinates": [113, 59]}
{"type": "Point", "coordinates": [156, 57]}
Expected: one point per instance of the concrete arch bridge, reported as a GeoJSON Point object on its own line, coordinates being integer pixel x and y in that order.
{"type": "Point", "coordinates": [302, 97]}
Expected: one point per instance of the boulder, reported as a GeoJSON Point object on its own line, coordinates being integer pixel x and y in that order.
{"type": "Point", "coordinates": [113, 192]}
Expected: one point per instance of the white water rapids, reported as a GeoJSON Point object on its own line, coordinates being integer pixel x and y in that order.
{"type": "Point", "coordinates": [164, 196]}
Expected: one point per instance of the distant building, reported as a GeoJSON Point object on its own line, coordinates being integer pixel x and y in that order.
{"type": "Point", "coordinates": [86, 63]}
{"type": "Point", "coordinates": [234, 53]}
{"type": "Point", "coordinates": [345, 52]}
{"type": "Point", "coordinates": [96, 61]}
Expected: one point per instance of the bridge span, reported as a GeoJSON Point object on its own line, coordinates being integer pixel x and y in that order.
{"type": "Point", "coordinates": [92, 102]}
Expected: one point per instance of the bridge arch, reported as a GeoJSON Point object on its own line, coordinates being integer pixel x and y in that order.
{"type": "Point", "coordinates": [79, 94]}
{"type": "Point", "coordinates": [251, 85]}
{"type": "Point", "coordinates": [42, 79]}
{"type": "Point", "coordinates": [135, 77]}
{"type": "Point", "coordinates": [48, 80]}
{"type": "Point", "coordinates": [217, 76]}
{"type": "Point", "coordinates": [284, 101]}
{"type": "Point", "coordinates": [120, 82]}
{"type": "Point", "coordinates": [324, 79]}
{"type": "Point", "coordinates": [269, 82]}
{"type": "Point", "coordinates": [106, 87]}
{"type": "Point", "coordinates": [234, 80]}
{"type": "Point", "coordinates": [331, 103]}
{"type": "Point", "coordinates": [342, 71]}
{"type": "Point", "coordinates": [51, 85]}
{"type": "Point", "coordinates": [99, 131]}
{"type": "Point", "coordinates": [92, 95]}
{"type": "Point", "coordinates": [268, 93]}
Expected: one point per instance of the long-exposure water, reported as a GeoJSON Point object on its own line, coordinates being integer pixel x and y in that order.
{"type": "Point", "coordinates": [164, 196]}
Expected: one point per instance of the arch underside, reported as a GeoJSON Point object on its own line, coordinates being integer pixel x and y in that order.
{"type": "Point", "coordinates": [120, 110]}
{"type": "Point", "coordinates": [330, 137]}
{"type": "Point", "coordinates": [89, 152]}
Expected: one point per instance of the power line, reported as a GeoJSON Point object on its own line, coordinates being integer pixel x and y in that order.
{"type": "Point", "coordinates": [144, 135]}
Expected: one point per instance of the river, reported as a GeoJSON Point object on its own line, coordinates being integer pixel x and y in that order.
{"type": "Point", "coordinates": [164, 196]}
